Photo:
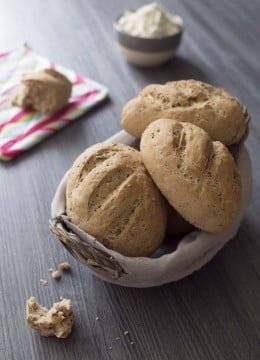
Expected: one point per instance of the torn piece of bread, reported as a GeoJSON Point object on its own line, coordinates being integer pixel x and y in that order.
{"type": "Point", "coordinates": [46, 91]}
{"type": "Point", "coordinates": [57, 321]}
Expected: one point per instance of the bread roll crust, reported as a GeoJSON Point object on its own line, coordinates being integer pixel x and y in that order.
{"type": "Point", "coordinates": [198, 177]}
{"type": "Point", "coordinates": [213, 109]}
{"type": "Point", "coordinates": [111, 196]}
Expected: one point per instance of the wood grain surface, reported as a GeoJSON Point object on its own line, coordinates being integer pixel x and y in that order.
{"type": "Point", "coordinates": [212, 314]}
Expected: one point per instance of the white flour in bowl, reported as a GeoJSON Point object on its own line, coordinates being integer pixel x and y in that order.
{"type": "Point", "coordinates": [150, 21]}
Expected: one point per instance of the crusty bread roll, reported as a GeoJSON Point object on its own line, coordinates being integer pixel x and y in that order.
{"type": "Point", "coordinates": [213, 109]}
{"type": "Point", "coordinates": [176, 224]}
{"type": "Point", "coordinates": [46, 91]}
{"type": "Point", "coordinates": [198, 177]}
{"type": "Point", "coordinates": [111, 196]}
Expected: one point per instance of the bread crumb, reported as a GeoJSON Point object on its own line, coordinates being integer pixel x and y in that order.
{"type": "Point", "coordinates": [61, 298]}
{"type": "Point", "coordinates": [56, 274]}
{"type": "Point", "coordinates": [110, 347]}
{"type": "Point", "coordinates": [57, 321]}
{"type": "Point", "coordinates": [43, 282]}
{"type": "Point", "coordinates": [64, 266]}
{"type": "Point", "coordinates": [126, 332]}
{"type": "Point", "coordinates": [117, 338]}
{"type": "Point", "coordinates": [97, 318]}
{"type": "Point", "coordinates": [132, 342]}
{"type": "Point", "coordinates": [50, 270]}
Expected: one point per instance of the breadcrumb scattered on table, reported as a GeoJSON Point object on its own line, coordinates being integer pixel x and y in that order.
{"type": "Point", "coordinates": [56, 274]}
{"type": "Point", "coordinates": [43, 282]}
{"type": "Point", "coordinates": [64, 266]}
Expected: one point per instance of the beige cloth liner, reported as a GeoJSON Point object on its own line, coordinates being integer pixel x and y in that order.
{"type": "Point", "coordinates": [193, 251]}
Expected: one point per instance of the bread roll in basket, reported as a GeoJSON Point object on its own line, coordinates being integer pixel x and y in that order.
{"type": "Point", "coordinates": [193, 251]}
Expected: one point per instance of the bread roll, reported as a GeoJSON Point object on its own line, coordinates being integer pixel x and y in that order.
{"type": "Point", "coordinates": [111, 196]}
{"type": "Point", "coordinates": [46, 91]}
{"type": "Point", "coordinates": [198, 177]}
{"type": "Point", "coordinates": [213, 109]}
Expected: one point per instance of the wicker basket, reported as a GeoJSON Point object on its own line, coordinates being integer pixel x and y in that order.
{"type": "Point", "coordinates": [192, 252]}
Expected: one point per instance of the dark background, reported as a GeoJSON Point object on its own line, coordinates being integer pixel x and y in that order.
{"type": "Point", "coordinates": [212, 314]}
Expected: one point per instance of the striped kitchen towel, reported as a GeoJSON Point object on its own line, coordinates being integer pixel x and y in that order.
{"type": "Point", "coordinates": [20, 129]}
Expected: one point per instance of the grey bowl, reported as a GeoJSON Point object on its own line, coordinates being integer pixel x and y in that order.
{"type": "Point", "coordinates": [145, 51]}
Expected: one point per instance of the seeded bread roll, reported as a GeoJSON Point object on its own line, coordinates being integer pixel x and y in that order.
{"type": "Point", "coordinates": [46, 91]}
{"type": "Point", "coordinates": [111, 196]}
{"type": "Point", "coordinates": [198, 177]}
{"type": "Point", "coordinates": [176, 224]}
{"type": "Point", "coordinates": [213, 109]}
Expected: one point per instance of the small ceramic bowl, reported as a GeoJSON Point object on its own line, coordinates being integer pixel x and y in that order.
{"type": "Point", "coordinates": [146, 52]}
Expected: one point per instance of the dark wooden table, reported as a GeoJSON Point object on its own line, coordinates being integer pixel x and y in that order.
{"type": "Point", "coordinates": [212, 314]}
